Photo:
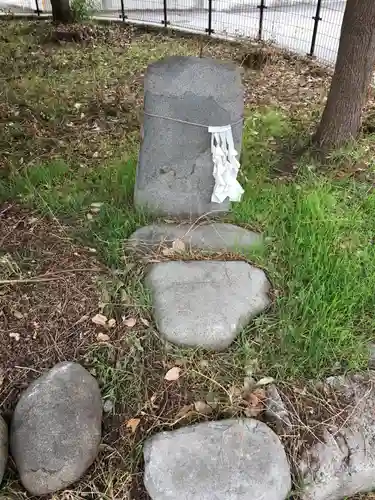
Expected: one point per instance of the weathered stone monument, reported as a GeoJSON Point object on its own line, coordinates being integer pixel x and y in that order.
{"type": "Point", "coordinates": [184, 96]}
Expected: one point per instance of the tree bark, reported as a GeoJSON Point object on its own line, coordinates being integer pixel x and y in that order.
{"type": "Point", "coordinates": [341, 120]}
{"type": "Point", "coordinates": [61, 11]}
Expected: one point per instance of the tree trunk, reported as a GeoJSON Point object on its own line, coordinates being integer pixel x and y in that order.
{"type": "Point", "coordinates": [61, 11]}
{"type": "Point", "coordinates": [342, 115]}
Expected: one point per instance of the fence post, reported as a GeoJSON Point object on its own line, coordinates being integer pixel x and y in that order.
{"type": "Point", "coordinates": [122, 15]}
{"type": "Point", "coordinates": [316, 18]}
{"type": "Point", "coordinates": [209, 30]}
{"type": "Point", "coordinates": [37, 10]}
{"type": "Point", "coordinates": [261, 8]}
{"type": "Point", "coordinates": [165, 20]}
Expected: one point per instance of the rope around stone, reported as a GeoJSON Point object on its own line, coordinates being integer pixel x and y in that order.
{"type": "Point", "coordinates": [186, 122]}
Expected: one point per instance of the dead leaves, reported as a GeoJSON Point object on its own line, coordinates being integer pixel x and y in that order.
{"type": "Point", "coordinates": [102, 337]}
{"type": "Point", "coordinates": [173, 374]}
{"type": "Point", "coordinates": [198, 408]}
{"type": "Point", "coordinates": [178, 246]}
{"type": "Point", "coordinates": [132, 424]}
{"type": "Point", "coordinates": [99, 320]}
{"type": "Point", "coordinates": [129, 322]}
{"type": "Point", "coordinates": [255, 402]}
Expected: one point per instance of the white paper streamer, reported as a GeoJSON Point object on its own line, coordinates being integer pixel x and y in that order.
{"type": "Point", "coordinates": [226, 165]}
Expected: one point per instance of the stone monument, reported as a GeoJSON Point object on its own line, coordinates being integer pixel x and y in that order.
{"type": "Point", "coordinates": [184, 96]}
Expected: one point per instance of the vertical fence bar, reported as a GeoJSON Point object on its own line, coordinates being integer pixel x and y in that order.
{"type": "Point", "coordinates": [316, 18]}
{"type": "Point", "coordinates": [165, 10]}
{"type": "Point", "coordinates": [122, 15]}
{"type": "Point", "coordinates": [262, 7]}
{"type": "Point", "coordinates": [37, 10]}
{"type": "Point", "coordinates": [209, 30]}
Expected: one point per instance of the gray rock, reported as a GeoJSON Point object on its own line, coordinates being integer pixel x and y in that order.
{"type": "Point", "coordinates": [213, 237]}
{"type": "Point", "coordinates": [56, 428]}
{"type": "Point", "coordinates": [342, 463]}
{"type": "Point", "coordinates": [206, 303]}
{"type": "Point", "coordinates": [175, 168]}
{"type": "Point", "coordinates": [276, 411]}
{"type": "Point", "coordinates": [226, 460]}
{"type": "Point", "coordinates": [3, 447]}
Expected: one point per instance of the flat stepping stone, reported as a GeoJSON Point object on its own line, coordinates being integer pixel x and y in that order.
{"type": "Point", "coordinates": [215, 237]}
{"type": "Point", "coordinates": [206, 303]}
{"type": "Point", "coordinates": [225, 460]}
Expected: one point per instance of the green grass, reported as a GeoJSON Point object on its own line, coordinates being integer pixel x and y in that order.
{"type": "Point", "coordinates": [319, 246]}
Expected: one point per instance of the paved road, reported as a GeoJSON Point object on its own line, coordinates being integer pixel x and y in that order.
{"type": "Point", "coordinates": [290, 27]}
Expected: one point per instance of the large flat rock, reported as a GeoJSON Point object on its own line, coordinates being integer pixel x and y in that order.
{"type": "Point", "coordinates": [341, 463]}
{"type": "Point", "coordinates": [214, 237]}
{"type": "Point", "coordinates": [226, 460]}
{"type": "Point", "coordinates": [206, 303]}
{"type": "Point", "coordinates": [56, 428]}
{"type": "Point", "coordinates": [175, 167]}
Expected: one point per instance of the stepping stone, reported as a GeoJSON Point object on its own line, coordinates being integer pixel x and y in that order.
{"type": "Point", "coordinates": [3, 447]}
{"type": "Point", "coordinates": [206, 304]}
{"type": "Point", "coordinates": [56, 428]}
{"type": "Point", "coordinates": [226, 460]}
{"type": "Point", "coordinates": [215, 237]}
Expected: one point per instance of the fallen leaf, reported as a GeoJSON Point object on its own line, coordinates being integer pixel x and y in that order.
{"type": "Point", "coordinates": [99, 319]}
{"type": "Point", "coordinates": [168, 252]}
{"type": "Point", "coordinates": [185, 411]}
{"type": "Point", "coordinates": [129, 322]}
{"type": "Point", "coordinates": [178, 245]}
{"type": "Point", "coordinates": [96, 204]}
{"type": "Point", "coordinates": [102, 337]}
{"type": "Point", "coordinates": [255, 403]}
{"type": "Point", "coordinates": [173, 374]}
{"type": "Point", "coordinates": [202, 407]}
{"type": "Point", "coordinates": [111, 323]}
{"type": "Point", "coordinates": [265, 381]}
{"type": "Point", "coordinates": [145, 322]}
{"type": "Point", "coordinates": [17, 314]}
{"type": "Point", "coordinates": [133, 424]}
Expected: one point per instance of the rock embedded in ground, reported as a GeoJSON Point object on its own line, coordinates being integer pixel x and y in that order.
{"type": "Point", "coordinates": [56, 428]}
{"type": "Point", "coordinates": [206, 303]}
{"type": "Point", "coordinates": [341, 463]}
{"type": "Point", "coordinates": [3, 447]}
{"type": "Point", "coordinates": [276, 411]}
{"type": "Point", "coordinates": [175, 168]}
{"type": "Point", "coordinates": [215, 237]}
{"type": "Point", "coordinates": [224, 460]}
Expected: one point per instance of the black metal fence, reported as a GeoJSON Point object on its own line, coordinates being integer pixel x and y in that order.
{"type": "Point", "coordinates": [309, 27]}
